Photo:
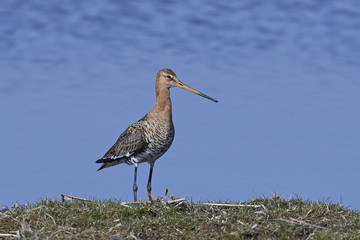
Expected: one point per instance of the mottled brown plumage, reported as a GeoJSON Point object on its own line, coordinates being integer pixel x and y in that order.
{"type": "Point", "coordinates": [150, 137]}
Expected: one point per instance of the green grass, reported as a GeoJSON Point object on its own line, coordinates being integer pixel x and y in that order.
{"type": "Point", "coordinates": [275, 218]}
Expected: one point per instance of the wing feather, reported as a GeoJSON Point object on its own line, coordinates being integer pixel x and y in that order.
{"type": "Point", "coordinates": [130, 141]}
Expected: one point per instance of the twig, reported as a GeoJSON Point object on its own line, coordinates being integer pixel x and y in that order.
{"type": "Point", "coordinates": [16, 234]}
{"type": "Point", "coordinates": [140, 202]}
{"type": "Point", "coordinates": [7, 235]}
{"type": "Point", "coordinates": [172, 199]}
{"type": "Point", "coordinates": [70, 198]}
{"type": "Point", "coordinates": [51, 218]}
{"type": "Point", "coordinates": [176, 200]}
{"type": "Point", "coordinates": [231, 205]}
{"type": "Point", "coordinates": [116, 226]}
{"type": "Point", "coordinates": [310, 236]}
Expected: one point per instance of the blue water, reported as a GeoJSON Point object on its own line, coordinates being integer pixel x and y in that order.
{"type": "Point", "coordinates": [75, 74]}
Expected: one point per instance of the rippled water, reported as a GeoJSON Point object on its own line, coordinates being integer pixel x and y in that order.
{"type": "Point", "coordinates": [73, 75]}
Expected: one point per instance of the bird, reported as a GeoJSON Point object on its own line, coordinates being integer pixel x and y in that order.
{"type": "Point", "coordinates": [149, 138]}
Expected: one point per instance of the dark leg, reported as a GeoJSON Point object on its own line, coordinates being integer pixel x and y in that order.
{"type": "Point", "coordinates": [135, 188]}
{"type": "Point", "coordinates": [149, 181]}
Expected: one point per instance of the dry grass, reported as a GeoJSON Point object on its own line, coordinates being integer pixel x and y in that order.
{"type": "Point", "coordinates": [269, 218]}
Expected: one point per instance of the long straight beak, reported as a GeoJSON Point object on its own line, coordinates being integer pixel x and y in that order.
{"type": "Point", "coordinates": [182, 85]}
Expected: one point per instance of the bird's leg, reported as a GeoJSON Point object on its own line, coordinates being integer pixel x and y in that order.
{"type": "Point", "coordinates": [149, 181]}
{"type": "Point", "coordinates": [135, 188]}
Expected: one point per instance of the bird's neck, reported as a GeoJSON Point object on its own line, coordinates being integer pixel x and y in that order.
{"type": "Point", "coordinates": [163, 104]}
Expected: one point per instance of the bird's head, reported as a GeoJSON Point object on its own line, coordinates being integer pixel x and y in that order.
{"type": "Point", "coordinates": [167, 78]}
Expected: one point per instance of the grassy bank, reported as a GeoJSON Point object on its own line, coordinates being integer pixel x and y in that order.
{"type": "Point", "coordinates": [271, 218]}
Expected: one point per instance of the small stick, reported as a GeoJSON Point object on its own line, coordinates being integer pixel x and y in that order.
{"type": "Point", "coordinates": [230, 205]}
{"type": "Point", "coordinates": [140, 202]}
{"type": "Point", "coordinates": [70, 198]}
{"type": "Point", "coordinates": [176, 200]}
{"type": "Point", "coordinates": [17, 235]}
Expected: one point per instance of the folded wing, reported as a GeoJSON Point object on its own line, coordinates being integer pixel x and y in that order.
{"type": "Point", "coordinates": [130, 142]}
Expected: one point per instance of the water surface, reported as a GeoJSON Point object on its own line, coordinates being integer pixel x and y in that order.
{"type": "Point", "coordinates": [74, 75]}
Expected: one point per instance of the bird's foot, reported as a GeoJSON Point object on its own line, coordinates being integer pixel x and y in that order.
{"type": "Point", "coordinates": [150, 196]}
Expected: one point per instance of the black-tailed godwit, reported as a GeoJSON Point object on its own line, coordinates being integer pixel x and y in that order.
{"type": "Point", "coordinates": [151, 136]}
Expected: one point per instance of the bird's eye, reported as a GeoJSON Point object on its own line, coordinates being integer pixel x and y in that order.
{"type": "Point", "coordinates": [168, 76]}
